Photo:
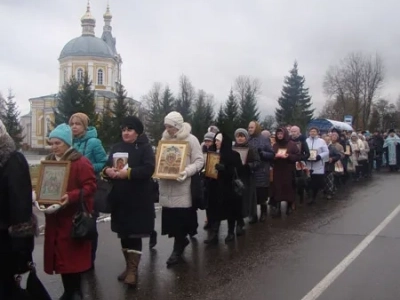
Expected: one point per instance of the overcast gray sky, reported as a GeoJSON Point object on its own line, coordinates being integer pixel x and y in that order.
{"type": "Point", "coordinates": [211, 41]}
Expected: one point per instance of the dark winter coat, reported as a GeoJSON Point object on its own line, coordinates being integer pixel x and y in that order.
{"type": "Point", "coordinates": [283, 186]}
{"type": "Point", "coordinates": [223, 202]}
{"type": "Point", "coordinates": [303, 147]}
{"type": "Point", "coordinates": [378, 142]}
{"type": "Point", "coordinates": [263, 146]}
{"type": "Point", "coordinates": [248, 177]}
{"type": "Point", "coordinates": [335, 155]}
{"type": "Point", "coordinates": [63, 254]}
{"type": "Point", "coordinates": [132, 209]}
{"type": "Point", "coordinates": [17, 225]}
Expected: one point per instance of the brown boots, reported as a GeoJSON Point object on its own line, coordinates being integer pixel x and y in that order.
{"type": "Point", "coordinates": [132, 259]}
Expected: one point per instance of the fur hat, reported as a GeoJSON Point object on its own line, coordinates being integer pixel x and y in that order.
{"type": "Point", "coordinates": [83, 118]}
{"type": "Point", "coordinates": [174, 119]}
{"type": "Point", "coordinates": [133, 122]}
{"type": "Point", "coordinates": [62, 132]}
{"type": "Point", "coordinates": [209, 136]}
{"type": "Point", "coordinates": [3, 129]}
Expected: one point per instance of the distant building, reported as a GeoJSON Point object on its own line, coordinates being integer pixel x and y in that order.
{"type": "Point", "coordinates": [86, 53]}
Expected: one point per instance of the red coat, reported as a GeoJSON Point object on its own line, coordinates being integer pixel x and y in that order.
{"type": "Point", "coordinates": [62, 254]}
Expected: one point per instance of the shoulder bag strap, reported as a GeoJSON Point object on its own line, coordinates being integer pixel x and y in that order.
{"type": "Point", "coordinates": [84, 148]}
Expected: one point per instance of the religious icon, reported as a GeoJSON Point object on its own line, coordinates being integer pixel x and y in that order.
{"type": "Point", "coordinates": [120, 160]}
{"type": "Point", "coordinates": [213, 158]}
{"type": "Point", "coordinates": [313, 154]}
{"type": "Point", "coordinates": [52, 181]}
{"type": "Point", "coordinates": [171, 159]}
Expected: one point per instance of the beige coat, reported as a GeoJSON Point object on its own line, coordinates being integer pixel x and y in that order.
{"type": "Point", "coordinates": [175, 194]}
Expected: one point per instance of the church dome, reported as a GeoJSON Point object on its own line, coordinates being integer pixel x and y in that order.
{"type": "Point", "coordinates": [87, 45]}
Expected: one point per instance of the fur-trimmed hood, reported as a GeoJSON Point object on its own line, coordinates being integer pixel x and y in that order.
{"type": "Point", "coordinates": [182, 134]}
{"type": "Point", "coordinates": [7, 147]}
{"type": "Point", "coordinates": [71, 154]}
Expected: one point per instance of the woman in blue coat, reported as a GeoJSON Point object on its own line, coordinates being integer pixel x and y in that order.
{"type": "Point", "coordinates": [87, 143]}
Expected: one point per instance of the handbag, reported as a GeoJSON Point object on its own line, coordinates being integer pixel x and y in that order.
{"type": "Point", "coordinates": [197, 189]}
{"type": "Point", "coordinates": [104, 188]}
{"type": "Point", "coordinates": [83, 225]}
{"type": "Point", "coordinates": [339, 169]}
{"type": "Point", "coordinates": [301, 178]}
{"type": "Point", "coordinates": [35, 289]}
{"type": "Point", "coordinates": [101, 201]}
{"type": "Point", "coordinates": [238, 185]}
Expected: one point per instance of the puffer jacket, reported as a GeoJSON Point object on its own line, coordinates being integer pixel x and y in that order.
{"type": "Point", "coordinates": [174, 194]}
{"type": "Point", "coordinates": [91, 147]}
{"type": "Point", "coordinates": [263, 146]}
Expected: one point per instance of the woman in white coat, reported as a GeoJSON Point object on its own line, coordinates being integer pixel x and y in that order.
{"type": "Point", "coordinates": [179, 218]}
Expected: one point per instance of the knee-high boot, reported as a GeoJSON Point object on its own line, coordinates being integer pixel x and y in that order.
{"type": "Point", "coordinates": [122, 276]}
{"type": "Point", "coordinates": [133, 260]}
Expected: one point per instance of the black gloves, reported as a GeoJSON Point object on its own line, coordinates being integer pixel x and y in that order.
{"type": "Point", "coordinates": [220, 167]}
{"type": "Point", "coordinates": [318, 158]}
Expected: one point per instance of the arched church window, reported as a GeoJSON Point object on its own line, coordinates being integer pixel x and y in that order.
{"type": "Point", "coordinates": [100, 77]}
{"type": "Point", "coordinates": [65, 76]}
{"type": "Point", "coordinates": [79, 75]}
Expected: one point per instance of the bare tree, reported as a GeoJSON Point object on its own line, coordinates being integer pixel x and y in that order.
{"type": "Point", "coordinates": [186, 97]}
{"type": "Point", "coordinates": [243, 84]}
{"type": "Point", "coordinates": [333, 109]}
{"type": "Point", "coordinates": [269, 122]}
{"type": "Point", "coordinates": [354, 84]}
{"type": "Point", "coordinates": [247, 91]}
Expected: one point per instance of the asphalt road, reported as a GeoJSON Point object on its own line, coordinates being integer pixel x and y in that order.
{"type": "Point", "coordinates": [282, 259]}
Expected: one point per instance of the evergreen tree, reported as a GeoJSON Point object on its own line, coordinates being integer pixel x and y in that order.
{"type": "Point", "coordinates": [10, 119]}
{"type": "Point", "coordinates": [199, 124]}
{"type": "Point", "coordinates": [155, 113]}
{"type": "Point", "coordinates": [119, 110]}
{"type": "Point", "coordinates": [248, 108]}
{"type": "Point", "coordinates": [74, 97]}
{"type": "Point", "coordinates": [232, 115]}
{"type": "Point", "coordinates": [106, 126]}
{"type": "Point", "coordinates": [220, 121]}
{"type": "Point", "coordinates": [209, 113]}
{"type": "Point", "coordinates": [167, 104]}
{"type": "Point", "coordinates": [295, 102]}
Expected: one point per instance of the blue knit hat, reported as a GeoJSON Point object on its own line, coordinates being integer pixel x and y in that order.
{"type": "Point", "coordinates": [62, 132]}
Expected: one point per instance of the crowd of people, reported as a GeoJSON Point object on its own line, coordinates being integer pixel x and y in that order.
{"type": "Point", "coordinates": [257, 168]}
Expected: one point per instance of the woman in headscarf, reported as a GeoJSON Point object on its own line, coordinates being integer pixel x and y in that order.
{"type": "Point", "coordinates": [179, 218]}
{"type": "Point", "coordinates": [391, 144]}
{"type": "Point", "coordinates": [63, 254]}
{"type": "Point", "coordinates": [334, 156]}
{"type": "Point", "coordinates": [224, 203]}
{"type": "Point", "coordinates": [17, 223]}
{"type": "Point", "coordinates": [363, 158]}
{"type": "Point", "coordinates": [286, 155]}
{"type": "Point", "coordinates": [132, 209]}
{"type": "Point", "coordinates": [263, 146]}
{"type": "Point", "coordinates": [252, 163]}
{"type": "Point", "coordinates": [356, 147]}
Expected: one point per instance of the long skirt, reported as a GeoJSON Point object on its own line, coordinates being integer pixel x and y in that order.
{"type": "Point", "coordinates": [329, 183]}
{"type": "Point", "coordinates": [179, 221]}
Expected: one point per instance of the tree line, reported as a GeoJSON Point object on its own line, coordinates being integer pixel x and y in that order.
{"type": "Point", "coordinates": [352, 88]}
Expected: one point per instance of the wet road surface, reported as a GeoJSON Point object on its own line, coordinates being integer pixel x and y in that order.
{"type": "Point", "coordinates": [281, 259]}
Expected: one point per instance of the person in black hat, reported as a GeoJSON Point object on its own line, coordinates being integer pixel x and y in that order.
{"type": "Point", "coordinates": [132, 210]}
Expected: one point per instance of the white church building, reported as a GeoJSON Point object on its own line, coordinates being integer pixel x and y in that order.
{"type": "Point", "coordinates": [87, 53]}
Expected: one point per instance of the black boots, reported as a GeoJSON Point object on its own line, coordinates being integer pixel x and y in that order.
{"type": "Point", "coordinates": [213, 236]}
{"type": "Point", "coordinates": [153, 239]}
{"type": "Point", "coordinates": [72, 287]}
{"type": "Point", "coordinates": [176, 255]}
{"type": "Point", "coordinates": [263, 215]}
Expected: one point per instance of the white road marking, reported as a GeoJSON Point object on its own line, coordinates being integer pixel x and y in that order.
{"type": "Point", "coordinates": [339, 269]}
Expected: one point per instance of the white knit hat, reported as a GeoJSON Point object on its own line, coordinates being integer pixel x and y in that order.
{"type": "Point", "coordinates": [219, 137]}
{"type": "Point", "coordinates": [3, 130]}
{"type": "Point", "coordinates": [174, 119]}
